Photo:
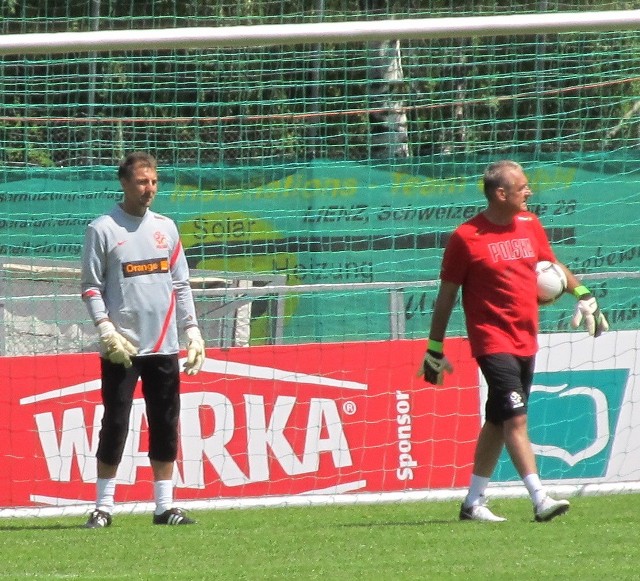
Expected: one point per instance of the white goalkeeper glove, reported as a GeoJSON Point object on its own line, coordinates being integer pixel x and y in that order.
{"type": "Point", "coordinates": [435, 364]}
{"type": "Point", "coordinates": [587, 309]}
{"type": "Point", "coordinates": [195, 351]}
{"type": "Point", "coordinates": [116, 347]}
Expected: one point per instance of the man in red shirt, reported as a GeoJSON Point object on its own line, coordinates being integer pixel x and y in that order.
{"type": "Point", "coordinates": [492, 257]}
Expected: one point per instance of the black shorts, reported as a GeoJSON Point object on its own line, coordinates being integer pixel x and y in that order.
{"type": "Point", "coordinates": [160, 375]}
{"type": "Point", "coordinates": [509, 380]}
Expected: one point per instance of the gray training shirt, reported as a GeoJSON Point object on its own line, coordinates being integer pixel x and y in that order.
{"type": "Point", "coordinates": [134, 272]}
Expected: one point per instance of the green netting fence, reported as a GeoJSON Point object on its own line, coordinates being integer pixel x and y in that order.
{"type": "Point", "coordinates": [562, 93]}
{"type": "Point", "coordinates": [325, 163]}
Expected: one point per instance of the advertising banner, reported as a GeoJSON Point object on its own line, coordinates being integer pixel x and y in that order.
{"type": "Point", "coordinates": [583, 422]}
{"type": "Point", "coordinates": [304, 419]}
{"type": "Point", "coordinates": [326, 419]}
{"type": "Point", "coordinates": [330, 222]}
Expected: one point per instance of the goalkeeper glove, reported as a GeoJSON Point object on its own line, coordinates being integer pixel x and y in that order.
{"type": "Point", "coordinates": [435, 364]}
{"type": "Point", "coordinates": [116, 347]}
{"type": "Point", "coordinates": [587, 309]}
{"type": "Point", "coordinates": [195, 351]}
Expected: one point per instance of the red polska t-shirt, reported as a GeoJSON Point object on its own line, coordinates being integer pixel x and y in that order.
{"type": "Point", "coordinates": [495, 265]}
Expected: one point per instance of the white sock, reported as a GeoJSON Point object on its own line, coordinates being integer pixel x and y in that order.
{"type": "Point", "coordinates": [535, 488]}
{"type": "Point", "coordinates": [163, 493]}
{"type": "Point", "coordinates": [476, 489]}
{"type": "Point", "coordinates": [105, 491]}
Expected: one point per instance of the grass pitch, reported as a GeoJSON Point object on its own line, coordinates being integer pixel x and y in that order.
{"type": "Point", "coordinates": [597, 539]}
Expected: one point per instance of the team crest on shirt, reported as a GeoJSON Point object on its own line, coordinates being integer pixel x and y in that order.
{"type": "Point", "coordinates": [516, 400]}
{"type": "Point", "coordinates": [161, 240]}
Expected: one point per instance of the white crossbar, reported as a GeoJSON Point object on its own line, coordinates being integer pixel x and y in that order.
{"type": "Point", "coordinates": [305, 33]}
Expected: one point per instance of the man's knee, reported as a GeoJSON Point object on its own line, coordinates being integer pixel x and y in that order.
{"type": "Point", "coordinates": [516, 423]}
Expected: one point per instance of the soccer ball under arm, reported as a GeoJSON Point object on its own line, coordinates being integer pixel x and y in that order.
{"type": "Point", "coordinates": [551, 282]}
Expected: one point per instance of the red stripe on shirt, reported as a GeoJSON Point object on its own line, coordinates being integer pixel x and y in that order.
{"type": "Point", "coordinates": [165, 325]}
{"type": "Point", "coordinates": [176, 253]}
{"type": "Point", "coordinates": [90, 293]}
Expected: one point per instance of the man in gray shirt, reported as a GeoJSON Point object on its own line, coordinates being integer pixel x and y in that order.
{"type": "Point", "coordinates": [135, 284]}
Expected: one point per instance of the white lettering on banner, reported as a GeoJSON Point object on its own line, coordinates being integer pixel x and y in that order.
{"type": "Point", "coordinates": [214, 447]}
{"type": "Point", "coordinates": [323, 413]}
{"type": "Point", "coordinates": [406, 463]}
{"type": "Point", "coordinates": [74, 443]}
{"type": "Point", "coordinates": [263, 433]}
{"type": "Point", "coordinates": [511, 249]}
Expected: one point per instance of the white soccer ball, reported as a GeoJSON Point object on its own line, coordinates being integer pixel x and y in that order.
{"type": "Point", "coordinates": [552, 282]}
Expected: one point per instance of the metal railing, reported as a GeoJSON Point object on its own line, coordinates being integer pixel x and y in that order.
{"type": "Point", "coordinates": [41, 310]}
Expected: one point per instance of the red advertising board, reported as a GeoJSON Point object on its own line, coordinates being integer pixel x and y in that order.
{"type": "Point", "coordinates": [257, 421]}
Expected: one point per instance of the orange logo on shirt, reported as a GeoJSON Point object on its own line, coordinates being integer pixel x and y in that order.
{"type": "Point", "coordinates": [145, 267]}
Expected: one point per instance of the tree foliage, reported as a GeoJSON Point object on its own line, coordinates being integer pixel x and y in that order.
{"type": "Point", "coordinates": [539, 94]}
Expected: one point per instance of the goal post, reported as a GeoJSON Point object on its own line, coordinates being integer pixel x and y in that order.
{"type": "Point", "coordinates": [315, 171]}
{"type": "Point", "coordinates": [318, 32]}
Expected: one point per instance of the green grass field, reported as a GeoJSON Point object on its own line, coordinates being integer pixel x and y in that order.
{"type": "Point", "coordinates": [597, 539]}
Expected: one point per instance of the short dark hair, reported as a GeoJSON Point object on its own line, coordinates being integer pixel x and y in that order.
{"type": "Point", "coordinates": [125, 168]}
{"type": "Point", "coordinates": [495, 175]}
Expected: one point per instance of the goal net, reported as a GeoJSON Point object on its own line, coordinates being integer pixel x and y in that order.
{"type": "Point", "coordinates": [315, 171]}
